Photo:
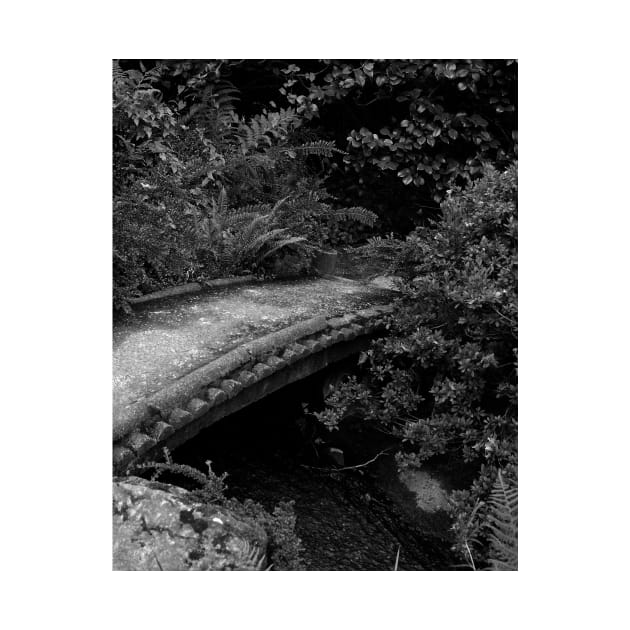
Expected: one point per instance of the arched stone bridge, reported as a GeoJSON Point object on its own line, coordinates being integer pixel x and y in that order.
{"type": "Point", "coordinates": [181, 367]}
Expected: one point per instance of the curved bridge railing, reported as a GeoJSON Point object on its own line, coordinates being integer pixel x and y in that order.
{"type": "Point", "coordinates": [178, 412]}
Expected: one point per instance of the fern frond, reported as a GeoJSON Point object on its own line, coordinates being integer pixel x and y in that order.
{"type": "Point", "coordinates": [255, 244]}
{"type": "Point", "coordinates": [263, 129]}
{"type": "Point", "coordinates": [254, 558]}
{"type": "Point", "coordinates": [180, 469]}
{"type": "Point", "coordinates": [322, 148]}
{"type": "Point", "coordinates": [252, 208]}
{"type": "Point", "coordinates": [503, 526]}
{"type": "Point", "coordinates": [291, 240]}
{"type": "Point", "coordinates": [167, 455]}
{"type": "Point", "coordinates": [215, 107]}
{"type": "Point", "coordinates": [253, 228]}
{"type": "Point", "coordinates": [117, 72]}
{"type": "Point", "coordinates": [252, 135]}
{"type": "Point", "coordinates": [317, 195]}
{"type": "Point", "coordinates": [278, 205]}
{"type": "Point", "coordinates": [356, 213]}
{"type": "Point", "coordinates": [242, 215]}
{"type": "Point", "coordinates": [222, 96]}
{"type": "Point", "coordinates": [220, 205]}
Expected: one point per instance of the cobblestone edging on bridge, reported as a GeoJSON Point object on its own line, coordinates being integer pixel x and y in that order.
{"type": "Point", "coordinates": [142, 428]}
{"type": "Point", "coordinates": [191, 287]}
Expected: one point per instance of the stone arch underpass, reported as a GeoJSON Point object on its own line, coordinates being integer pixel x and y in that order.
{"type": "Point", "coordinates": [180, 406]}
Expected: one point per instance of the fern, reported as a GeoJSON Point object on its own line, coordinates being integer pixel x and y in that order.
{"type": "Point", "coordinates": [257, 247]}
{"type": "Point", "coordinates": [256, 236]}
{"type": "Point", "coordinates": [388, 248]}
{"type": "Point", "coordinates": [252, 136]}
{"type": "Point", "coordinates": [245, 236]}
{"type": "Point", "coordinates": [321, 148]}
{"type": "Point", "coordinates": [220, 205]}
{"type": "Point", "coordinates": [356, 213]}
{"type": "Point", "coordinates": [245, 214]}
{"type": "Point", "coordinates": [503, 526]}
{"type": "Point", "coordinates": [242, 238]}
{"type": "Point", "coordinates": [118, 73]}
{"type": "Point", "coordinates": [265, 128]}
{"type": "Point", "coordinates": [213, 111]}
{"type": "Point", "coordinates": [212, 486]}
{"type": "Point", "coordinates": [222, 96]}
{"type": "Point", "coordinates": [215, 98]}
{"type": "Point", "coordinates": [254, 558]}
{"type": "Point", "coordinates": [291, 240]}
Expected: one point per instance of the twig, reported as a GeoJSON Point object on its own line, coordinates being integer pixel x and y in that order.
{"type": "Point", "coordinates": [472, 562]}
{"type": "Point", "coordinates": [374, 100]}
{"type": "Point", "coordinates": [397, 556]}
{"type": "Point", "coordinates": [505, 317]}
{"type": "Point", "coordinates": [394, 435]}
{"type": "Point", "coordinates": [350, 467]}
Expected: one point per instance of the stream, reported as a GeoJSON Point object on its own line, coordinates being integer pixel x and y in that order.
{"type": "Point", "coordinates": [353, 520]}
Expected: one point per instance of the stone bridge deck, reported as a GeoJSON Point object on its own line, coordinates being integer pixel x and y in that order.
{"type": "Point", "coordinates": [180, 364]}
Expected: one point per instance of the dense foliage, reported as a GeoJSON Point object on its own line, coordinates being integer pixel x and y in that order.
{"type": "Point", "coordinates": [444, 380]}
{"type": "Point", "coordinates": [411, 129]}
{"type": "Point", "coordinates": [200, 191]}
{"type": "Point", "coordinates": [223, 167]}
{"type": "Point", "coordinates": [424, 123]}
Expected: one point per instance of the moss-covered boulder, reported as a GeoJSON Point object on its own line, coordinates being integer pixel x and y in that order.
{"type": "Point", "coordinates": [160, 527]}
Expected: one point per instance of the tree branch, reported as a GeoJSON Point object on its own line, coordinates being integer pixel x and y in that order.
{"type": "Point", "coordinates": [505, 317]}
{"type": "Point", "coordinates": [350, 467]}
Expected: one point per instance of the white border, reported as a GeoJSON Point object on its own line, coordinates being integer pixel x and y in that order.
{"type": "Point", "coordinates": [56, 263]}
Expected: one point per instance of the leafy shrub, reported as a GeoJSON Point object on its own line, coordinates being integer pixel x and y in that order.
{"type": "Point", "coordinates": [285, 547]}
{"type": "Point", "coordinates": [177, 162]}
{"type": "Point", "coordinates": [143, 124]}
{"type": "Point", "coordinates": [151, 248]}
{"type": "Point", "coordinates": [152, 236]}
{"type": "Point", "coordinates": [444, 379]}
{"type": "Point", "coordinates": [426, 123]}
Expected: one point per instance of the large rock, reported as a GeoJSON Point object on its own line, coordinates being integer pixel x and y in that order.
{"type": "Point", "coordinates": [160, 527]}
{"type": "Point", "coordinates": [429, 490]}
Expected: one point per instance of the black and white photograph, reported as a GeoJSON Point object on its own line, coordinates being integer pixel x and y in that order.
{"type": "Point", "coordinates": [315, 315]}
{"type": "Point", "coordinates": [270, 312]}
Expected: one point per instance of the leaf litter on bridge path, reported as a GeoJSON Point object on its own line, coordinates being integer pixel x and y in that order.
{"type": "Point", "coordinates": [167, 340]}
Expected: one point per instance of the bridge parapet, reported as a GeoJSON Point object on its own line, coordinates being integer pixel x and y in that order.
{"type": "Point", "coordinates": [239, 378]}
